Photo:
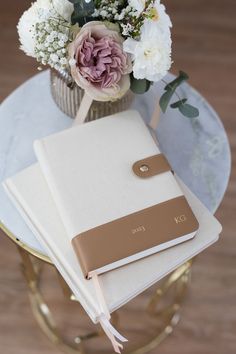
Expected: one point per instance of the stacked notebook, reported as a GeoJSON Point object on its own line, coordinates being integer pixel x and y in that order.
{"type": "Point", "coordinates": [104, 202]}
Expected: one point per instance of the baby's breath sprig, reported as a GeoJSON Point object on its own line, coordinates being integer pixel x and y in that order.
{"type": "Point", "coordinates": [136, 21]}
{"type": "Point", "coordinates": [52, 38]}
{"type": "Point", "coordinates": [111, 10]}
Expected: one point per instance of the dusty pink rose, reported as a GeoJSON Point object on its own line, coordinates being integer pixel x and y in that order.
{"type": "Point", "coordinates": [98, 63]}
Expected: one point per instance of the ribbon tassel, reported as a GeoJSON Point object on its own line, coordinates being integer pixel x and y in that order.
{"type": "Point", "coordinates": [110, 330]}
{"type": "Point", "coordinates": [105, 316]}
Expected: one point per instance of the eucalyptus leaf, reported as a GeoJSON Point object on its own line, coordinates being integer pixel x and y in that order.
{"type": "Point", "coordinates": [170, 89]}
{"type": "Point", "coordinates": [178, 103]}
{"type": "Point", "coordinates": [188, 110]}
{"type": "Point", "coordinates": [84, 9]}
{"type": "Point", "coordinates": [74, 18]}
{"type": "Point", "coordinates": [139, 86]}
{"type": "Point", "coordinates": [165, 100]}
{"type": "Point", "coordinates": [82, 12]}
{"type": "Point", "coordinates": [74, 1]}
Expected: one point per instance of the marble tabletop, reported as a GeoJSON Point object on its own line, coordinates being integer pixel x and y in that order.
{"type": "Point", "coordinates": [197, 149]}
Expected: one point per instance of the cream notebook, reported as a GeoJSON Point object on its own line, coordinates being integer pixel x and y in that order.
{"type": "Point", "coordinates": [29, 192]}
{"type": "Point", "coordinates": [114, 212]}
{"type": "Point", "coordinates": [95, 179]}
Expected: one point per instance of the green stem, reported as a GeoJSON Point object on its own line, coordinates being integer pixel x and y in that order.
{"type": "Point", "coordinates": [175, 93]}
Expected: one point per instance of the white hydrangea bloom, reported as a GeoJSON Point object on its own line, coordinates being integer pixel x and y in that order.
{"type": "Point", "coordinates": [163, 19]}
{"type": "Point", "coordinates": [64, 8]}
{"type": "Point", "coordinates": [26, 28]}
{"type": "Point", "coordinates": [137, 5]}
{"type": "Point", "coordinates": [40, 11]}
{"type": "Point", "coordinates": [152, 53]}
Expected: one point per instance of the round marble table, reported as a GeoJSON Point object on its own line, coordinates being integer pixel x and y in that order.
{"type": "Point", "coordinates": [197, 149]}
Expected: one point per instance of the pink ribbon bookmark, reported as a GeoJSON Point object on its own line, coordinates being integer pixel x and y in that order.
{"type": "Point", "coordinates": [83, 109]}
{"type": "Point", "coordinates": [155, 117]}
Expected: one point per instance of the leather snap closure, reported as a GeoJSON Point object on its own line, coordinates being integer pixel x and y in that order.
{"type": "Point", "coordinates": [151, 166]}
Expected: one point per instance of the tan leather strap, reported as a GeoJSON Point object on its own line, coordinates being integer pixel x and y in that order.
{"type": "Point", "coordinates": [131, 234]}
{"type": "Point", "coordinates": [151, 166]}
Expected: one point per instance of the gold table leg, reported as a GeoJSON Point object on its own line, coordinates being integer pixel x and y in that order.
{"type": "Point", "coordinates": [31, 268]}
{"type": "Point", "coordinates": [163, 306]}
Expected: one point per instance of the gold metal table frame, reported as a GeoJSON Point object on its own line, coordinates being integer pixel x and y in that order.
{"type": "Point", "coordinates": [167, 313]}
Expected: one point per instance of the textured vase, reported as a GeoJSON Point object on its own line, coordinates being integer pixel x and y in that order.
{"type": "Point", "coordinates": [68, 97]}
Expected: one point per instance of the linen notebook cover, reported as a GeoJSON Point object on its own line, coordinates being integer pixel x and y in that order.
{"type": "Point", "coordinates": [114, 191]}
{"type": "Point", "coordinates": [29, 192]}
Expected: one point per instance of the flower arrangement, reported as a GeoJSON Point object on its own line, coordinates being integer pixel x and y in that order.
{"type": "Point", "coordinates": [107, 46]}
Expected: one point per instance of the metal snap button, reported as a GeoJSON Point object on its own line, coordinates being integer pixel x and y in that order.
{"type": "Point", "coordinates": [144, 168]}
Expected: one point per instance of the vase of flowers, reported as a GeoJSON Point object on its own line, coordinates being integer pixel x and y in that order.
{"type": "Point", "coordinates": [105, 49]}
{"type": "Point", "coordinates": [68, 97]}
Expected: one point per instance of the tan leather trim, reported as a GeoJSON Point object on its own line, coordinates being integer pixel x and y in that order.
{"type": "Point", "coordinates": [151, 166]}
{"type": "Point", "coordinates": [134, 233]}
